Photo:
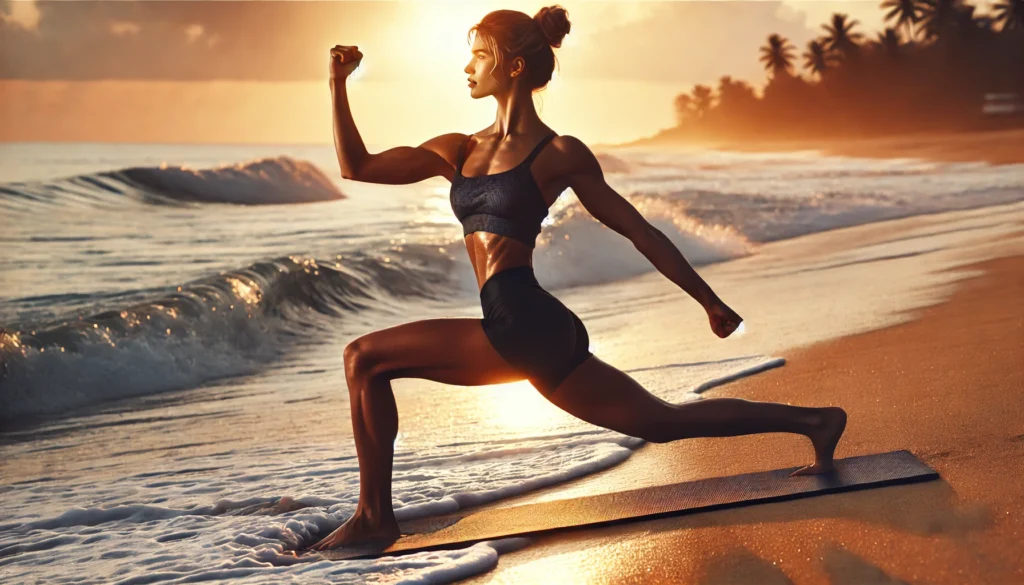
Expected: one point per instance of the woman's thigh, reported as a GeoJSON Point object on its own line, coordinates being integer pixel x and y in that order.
{"type": "Point", "coordinates": [607, 397]}
{"type": "Point", "coordinates": [450, 351]}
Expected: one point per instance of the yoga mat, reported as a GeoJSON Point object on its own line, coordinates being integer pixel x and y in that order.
{"type": "Point", "coordinates": [852, 473]}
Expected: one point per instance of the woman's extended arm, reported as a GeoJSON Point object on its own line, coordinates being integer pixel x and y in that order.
{"type": "Point", "coordinates": [587, 180]}
{"type": "Point", "coordinates": [395, 166]}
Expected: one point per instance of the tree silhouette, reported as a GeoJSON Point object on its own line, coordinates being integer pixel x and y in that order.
{"type": "Point", "coordinates": [684, 108]}
{"type": "Point", "coordinates": [939, 17]}
{"type": "Point", "coordinates": [906, 13]}
{"type": "Point", "coordinates": [889, 42]}
{"type": "Point", "coordinates": [702, 99]}
{"type": "Point", "coordinates": [840, 36]}
{"type": "Point", "coordinates": [735, 97]}
{"type": "Point", "coordinates": [932, 68]}
{"type": "Point", "coordinates": [1010, 14]}
{"type": "Point", "coordinates": [777, 55]}
{"type": "Point", "coordinates": [817, 59]}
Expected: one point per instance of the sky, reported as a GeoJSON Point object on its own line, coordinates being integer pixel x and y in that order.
{"type": "Point", "coordinates": [256, 71]}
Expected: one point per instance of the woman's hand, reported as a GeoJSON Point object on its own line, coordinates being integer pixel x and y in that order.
{"type": "Point", "coordinates": [723, 319]}
{"type": "Point", "coordinates": [344, 60]}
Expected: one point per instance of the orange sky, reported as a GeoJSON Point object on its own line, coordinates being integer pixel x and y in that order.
{"type": "Point", "coordinates": [620, 67]}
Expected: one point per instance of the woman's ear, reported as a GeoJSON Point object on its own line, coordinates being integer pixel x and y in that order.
{"type": "Point", "coordinates": [518, 66]}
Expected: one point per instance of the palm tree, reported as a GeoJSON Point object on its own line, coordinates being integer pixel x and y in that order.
{"type": "Point", "coordinates": [889, 42]}
{"type": "Point", "coordinates": [734, 96]}
{"type": "Point", "coordinates": [1010, 13]}
{"type": "Point", "coordinates": [777, 55]}
{"type": "Point", "coordinates": [684, 108]}
{"type": "Point", "coordinates": [817, 59]}
{"type": "Point", "coordinates": [939, 17]}
{"type": "Point", "coordinates": [702, 98]}
{"type": "Point", "coordinates": [906, 13]}
{"type": "Point", "coordinates": [966, 25]}
{"type": "Point", "coordinates": [841, 37]}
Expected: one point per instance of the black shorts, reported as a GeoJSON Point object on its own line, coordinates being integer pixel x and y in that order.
{"type": "Point", "coordinates": [531, 329]}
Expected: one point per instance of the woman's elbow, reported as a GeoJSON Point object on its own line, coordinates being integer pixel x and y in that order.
{"type": "Point", "coordinates": [352, 168]}
{"type": "Point", "coordinates": [350, 172]}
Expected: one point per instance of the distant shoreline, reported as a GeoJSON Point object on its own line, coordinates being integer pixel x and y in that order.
{"type": "Point", "coordinates": [992, 146]}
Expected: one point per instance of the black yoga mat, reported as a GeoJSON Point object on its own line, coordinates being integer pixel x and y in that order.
{"type": "Point", "coordinates": [852, 473]}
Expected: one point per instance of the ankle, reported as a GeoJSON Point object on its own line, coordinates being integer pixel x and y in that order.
{"type": "Point", "coordinates": [374, 516]}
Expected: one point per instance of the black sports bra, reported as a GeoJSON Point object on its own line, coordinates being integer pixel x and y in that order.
{"type": "Point", "coordinates": [508, 203]}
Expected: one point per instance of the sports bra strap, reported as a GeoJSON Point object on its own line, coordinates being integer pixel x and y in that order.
{"type": "Point", "coordinates": [537, 149]}
{"type": "Point", "coordinates": [527, 161]}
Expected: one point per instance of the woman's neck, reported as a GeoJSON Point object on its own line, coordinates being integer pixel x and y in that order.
{"type": "Point", "coordinates": [516, 115]}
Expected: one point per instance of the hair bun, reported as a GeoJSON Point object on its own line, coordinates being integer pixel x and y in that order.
{"type": "Point", "coordinates": [554, 21]}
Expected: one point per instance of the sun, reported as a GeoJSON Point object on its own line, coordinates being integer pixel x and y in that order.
{"type": "Point", "coordinates": [439, 29]}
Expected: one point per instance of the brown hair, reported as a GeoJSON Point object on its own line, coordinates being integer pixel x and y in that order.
{"type": "Point", "coordinates": [510, 34]}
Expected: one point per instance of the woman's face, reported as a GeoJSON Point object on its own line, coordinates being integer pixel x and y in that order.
{"type": "Point", "coordinates": [484, 79]}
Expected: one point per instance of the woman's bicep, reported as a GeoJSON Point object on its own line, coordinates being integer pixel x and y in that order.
{"type": "Point", "coordinates": [402, 165]}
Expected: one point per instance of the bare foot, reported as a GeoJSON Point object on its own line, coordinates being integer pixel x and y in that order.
{"type": "Point", "coordinates": [360, 529]}
{"type": "Point", "coordinates": [825, 437]}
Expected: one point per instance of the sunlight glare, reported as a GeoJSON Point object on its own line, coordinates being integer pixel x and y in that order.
{"type": "Point", "coordinates": [520, 409]}
{"type": "Point", "coordinates": [740, 330]}
{"type": "Point", "coordinates": [437, 208]}
{"type": "Point", "coordinates": [439, 30]}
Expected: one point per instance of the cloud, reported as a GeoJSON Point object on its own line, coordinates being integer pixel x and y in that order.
{"type": "Point", "coordinates": [21, 14]}
{"type": "Point", "coordinates": [193, 32]}
{"type": "Point", "coordinates": [184, 41]}
{"type": "Point", "coordinates": [124, 27]}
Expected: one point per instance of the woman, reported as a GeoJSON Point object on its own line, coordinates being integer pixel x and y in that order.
{"type": "Point", "coordinates": [504, 178]}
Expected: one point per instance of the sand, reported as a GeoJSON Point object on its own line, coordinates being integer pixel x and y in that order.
{"type": "Point", "coordinates": [994, 147]}
{"type": "Point", "coordinates": [948, 386]}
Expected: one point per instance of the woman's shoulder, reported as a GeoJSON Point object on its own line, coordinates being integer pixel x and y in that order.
{"type": "Point", "coordinates": [447, 146]}
{"type": "Point", "coordinates": [575, 155]}
{"type": "Point", "coordinates": [569, 143]}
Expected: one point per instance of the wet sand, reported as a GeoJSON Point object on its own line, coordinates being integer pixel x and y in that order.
{"type": "Point", "coordinates": [948, 386]}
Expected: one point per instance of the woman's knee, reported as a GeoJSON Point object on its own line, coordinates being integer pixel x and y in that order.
{"type": "Point", "coordinates": [362, 360]}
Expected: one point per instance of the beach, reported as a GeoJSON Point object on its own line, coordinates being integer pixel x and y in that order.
{"type": "Point", "coordinates": [947, 386]}
{"type": "Point", "coordinates": [188, 381]}
{"type": "Point", "coordinates": [994, 147]}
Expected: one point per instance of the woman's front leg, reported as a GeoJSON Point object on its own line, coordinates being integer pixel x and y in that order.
{"type": "Point", "coordinates": [374, 519]}
{"type": "Point", "coordinates": [450, 351]}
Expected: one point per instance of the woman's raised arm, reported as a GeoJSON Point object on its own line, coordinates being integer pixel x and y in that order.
{"type": "Point", "coordinates": [395, 166]}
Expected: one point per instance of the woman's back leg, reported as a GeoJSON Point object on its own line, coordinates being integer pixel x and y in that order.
{"type": "Point", "coordinates": [605, 396]}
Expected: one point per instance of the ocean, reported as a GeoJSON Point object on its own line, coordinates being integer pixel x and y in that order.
{"type": "Point", "coordinates": [174, 317]}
